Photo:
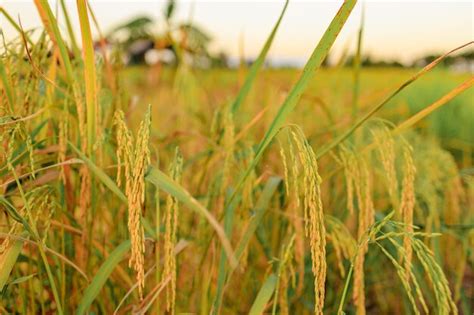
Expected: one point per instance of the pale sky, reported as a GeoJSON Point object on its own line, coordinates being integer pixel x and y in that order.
{"type": "Point", "coordinates": [402, 30]}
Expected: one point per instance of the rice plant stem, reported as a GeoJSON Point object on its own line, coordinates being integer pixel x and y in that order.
{"type": "Point", "coordinates": [346, 288]}
{"type": "Point", "coordinates": [39, 241]}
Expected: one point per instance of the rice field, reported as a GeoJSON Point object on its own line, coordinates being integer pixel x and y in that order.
{"type": "Point", "coordinates": [163, 190]}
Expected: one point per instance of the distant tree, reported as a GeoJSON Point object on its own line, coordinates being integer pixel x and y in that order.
{"type": "Point", "coordinates": [137, 28]}
{"type": "Point", "coordinates": [447, 61]}
{"type": "Point", "coordinates": [187, 41]}
{"type": "Point", "coordinates": [368, 62]}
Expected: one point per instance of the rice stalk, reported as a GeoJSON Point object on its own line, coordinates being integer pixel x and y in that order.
{"type": "Point", "coordinates": [170, 237]}
{"type": "Point", "coordinates": [363, 190]}
{"type": "Point", "coordinates": [407, 203]}
{"type": "Point", "coordinates": [284, 268]}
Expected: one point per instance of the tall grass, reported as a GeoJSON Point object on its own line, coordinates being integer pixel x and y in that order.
{"type": "Point", "coordinates": [353, 213]}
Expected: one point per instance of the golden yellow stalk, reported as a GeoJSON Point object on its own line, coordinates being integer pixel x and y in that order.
{"type": "Point", "coordinates": [363, 188]}
{"type": "Point", "coordinates": [171, 226]}
{"type": "Point", "coordinates": [407, 204]}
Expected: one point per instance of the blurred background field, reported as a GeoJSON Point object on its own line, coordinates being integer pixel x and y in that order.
{"type": "Point", "coordinates": [329, 94]}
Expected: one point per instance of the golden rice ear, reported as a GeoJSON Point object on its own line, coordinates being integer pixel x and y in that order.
{"type": "Point", "coordinates": [313, 215]}
{"type": "Point", "coordinates": [350, 175]}
{"type": "Point", "coordinates": [363, 189]}
{"type": "Point", "coordinates": [407, 203]}
{"type": "Point", "coordinates": [386, 153]}
{"type": "Point", "coordinates": [135, 158]}
{"type": "Point", "coordinates": [171, 229]}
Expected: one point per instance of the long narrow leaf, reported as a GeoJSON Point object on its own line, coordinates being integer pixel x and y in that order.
{"type": "Point", "coordinates": [70, 29]}
{"type": "Point", "coordinates": [100, 174]}
{"type": "Point", "coordinates": [260, 210]}
{"type": "Point", "coordinates": [314, 62]}
{"type": "Point", "coordinates": [244, 91]}
{"type": "Point", "coordinates": [101, 277]}
{"type": "Point", "coordinates": [264, 295]}
{"type": "Point", "coordinates": [434, 106]}
{"type": "Point", "coordinates": [228, 225]}
{"type": "Point", "coordinates": [8, 259]}
{"type": "Point", "coordinates": [159, 179]}
{"type": "Point", "coordinates": [376, 108]}
{"type": "Point", "coordinates": [51, 25]}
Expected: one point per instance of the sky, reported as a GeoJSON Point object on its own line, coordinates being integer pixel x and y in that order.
{"type": "Point", "coordinates": [394, 30]}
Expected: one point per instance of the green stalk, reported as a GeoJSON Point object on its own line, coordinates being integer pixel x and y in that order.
{"type": "Point", "coordinates": [14, 24]}
{"type": "Point", "coordinates": [70, 30]}
{"type": "Point", "coordinates": [257, 65]}
{"type": "Point", "coordinates": [357, 66]}
{"type": "Point", "coordinates": [346, 288]}
{"type": "Point", "coordinates": [228, 224]}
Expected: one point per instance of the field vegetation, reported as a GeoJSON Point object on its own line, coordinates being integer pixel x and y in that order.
{"type": "Point", "coordinates": [162, 190]}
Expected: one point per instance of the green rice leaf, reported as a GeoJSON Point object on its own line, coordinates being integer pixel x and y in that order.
{"type": "Point", "coordinates": [264, 295]}
{"type": "Point", "coordinates": [8, 260]}
{"type": "Point", "coordinates": [244, 91]}
{"type": "Point", "coordinates": [314, 62]}
{"type": "Point", "coordinates": [93, 290]}
{"type": "Point", "coordinates": [100, 174]}
{"type": "Point", "coordinates": [161, 180]}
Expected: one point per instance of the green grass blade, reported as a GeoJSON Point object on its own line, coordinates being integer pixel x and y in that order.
{"type": "Point", "coordinates": [221, 274]}
{"type": "Point", "coordinates": [100, 174]}
{"type": "Point", "coordinates": [51, 25]}
{"type": "Point", "coordinates": [101, 277]}
{"type": "Point", "coordinates": [8, 260]}
{"type": "Point", "coordinates": [376, 108]}
{"type": "Point", "coordinates": [244, 91]}
{"type": "Point", "coordinates": [264, 295]}
{"type": "Point", "coordinates": [70, 30]}
{"type": "Point", "coordinates": [11, 210]}
{"type": "Point", "coordinates": [161, 180]}
{"type": "Point", "coordinates": [14, 24]}
{"type": "Point", "coordinates": [89, 74]}
{"type": "Point", "coordinates": [21, 279]}
{"type": "Point", "coordinates": [314, 62]}
{"type": "Point", "coordinates": [260, 210]}
{"type": "Point", "coordinates": [357, 66]}
{"type": "Point", "coordinates": [434, 106]}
